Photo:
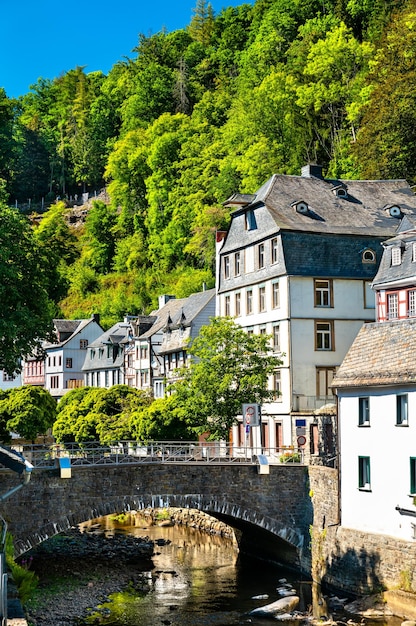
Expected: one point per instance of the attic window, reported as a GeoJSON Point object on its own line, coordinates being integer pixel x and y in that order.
{"type": "Point", "coordinates": [394, 211]}
{"type": "Point", "coordinates": [396, 255]}
{"type": "Point", "coordinates": [414, 251]}
{"type": "Point", "coordinates": [300, 207]}
{"type": "Point", "coordinates": [340, 191]}
{"type": "Point", "coordinates": [368, 256]}
{"type": "Point", "coordinates": [250, 220]}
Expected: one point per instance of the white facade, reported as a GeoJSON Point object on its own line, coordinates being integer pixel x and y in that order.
{"type": "Point", "coordinates": [9, 382]}
{"type": "Point", "coordinates": [377, 501]}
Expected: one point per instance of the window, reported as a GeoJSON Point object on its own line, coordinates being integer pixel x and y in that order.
{"type": "Point", "coordinates": [274, 250]}
{"type": "Point", "coordinates": [7, 378]}
{"type": "Point", "coordinates": [250, 330]}
{"type": "Point", "coordinates": [262, 298]}
{"type": "Point", "coordinates": [324, 376]}
{"type": "Point", "coordinates": [276, 337]}
{"type": "Point", "coordinates": [159, 389]}
{"type": "Point", "coordinates": [250, 220]}
{"type": "Point", "coordinates": [413, 475]}
{"type": "Point", "coordinates": [401, 410]}
{"type": "Point", "coordinates": [412, 303]}
{"type": "Point", "coordinates": [237, 304]}
{"type": "Point", "coordinates": [83, 344]}
{"type": "Point", "coordinates": [368, 256]}
{"type": "Point", "coordinates": [414, 251]}
{"type": "Point", "coordinates": [363, 411]}
{"type": "Point", "coordinates": [68, 363]}
{"type": "Point", "coordinates": [323, 293]}
{"type": "Point", "coordinates": [277, 386]}
{"type": "Point", "coordinates": [144, 351]}
{"type": "Point", "coordinates": [249, 301]}
{"type": "Point", "coordinates": [54, 382]}
{"type": "Point", "coordinates": [364, 473]}
{"type": "Point", "coordinates": [276, 295]}
{"type": "Point", "coordinates": [396, 255]}
{"type": "Point", "coordinates": [262, 330]}
{"type": "Point", "coordinates": [260, 255]}
{"type": "Point", "coordinates": [324, 336]}
{"type": "Point", "coordinates": [237, 264]}
{"type": "Point", "coordinates": [107, 378]}
{"type": "Point", "coordinates": [226, 267]}
{"type": "Point", "coordinates": [227, 307]}
{"type": "Point", "coordinates": [392, 306]}
{"type": "Point", "coordinates": [144, 378]}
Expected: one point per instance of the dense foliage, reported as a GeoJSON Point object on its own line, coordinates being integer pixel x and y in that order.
{"type": "Point", "coordinates": [193, 116]}
{"type": "Point", "coordinates": [28, 411]}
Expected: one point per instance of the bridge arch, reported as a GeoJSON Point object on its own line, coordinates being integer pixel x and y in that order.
{"type": "Point", "coordinates": [247, 521]}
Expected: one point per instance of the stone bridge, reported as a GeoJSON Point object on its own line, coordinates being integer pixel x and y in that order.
{"type": "Point", "coordinates": [271, 513]}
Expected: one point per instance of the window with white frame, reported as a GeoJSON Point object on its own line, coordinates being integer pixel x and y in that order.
{"type": "Point", "coordinates": [68, 363]}
{"type": "Point", "coordinates": [392, 306]}
{"type": "Point", "coordinates": [274, 250]}
{"type": "Point", "coordinates": [107, 378]}
{"type": "Point", "coordinates": [54, 382]}
{"type": "Point", "coordinates": [262, 330]}
{"type": "Point", "coordinates": [237, 303]}
{"type": "Point", "coordinates": [324, 335]}
{"type": "Point", "coordinates": [276, 294]}
{"type": "Point", "coordinates": [412, 475]}
{"type": "Point", "coordinates": [144, 351]}
{"type": "Point", "coordinates": [276, 337]}
{"type": "Point", "coordinates": [7, 378]}
{"type": "Point", "coordinates": [364, 479]}
{"type": "Point", "coordinates": [83, 344]}
{"type": "Point", "coordinates": [249, 301]}
{"type": "Point", "coordinates": [368, 256]}
{"type": "Point", "coordinates": [159, 389]}
{"type": "Point", "coordinates": [364, 411]}
{"type": "Point", "coordinates": [237, 264]}
{"type": "Point", "coordinates": [402, 410]}
{"type": "Point", "coordinates": [323, 293]}
{"type": "Point", "coordinates": [414, 251]}
{"type": "Point", "coordinates": [412, 303]}
{"type": "Point", "coordinates": [262, 298]}
{"type": "Point", "coordinates": [144, 378]}
{"type": "Point", "coordinates": [261, 256]}
{"type": "Point", "coordinates": [396, 255]}
{"type": "Point", "coordinates": [250, 220]}
{"type": "Point", "coordinates": [226, 267]}
{"type": "Point", "coordinates": [227, 306]}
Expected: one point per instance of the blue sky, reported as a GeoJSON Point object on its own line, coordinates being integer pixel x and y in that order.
{"type": "Point", "coordinates": [46, 38]}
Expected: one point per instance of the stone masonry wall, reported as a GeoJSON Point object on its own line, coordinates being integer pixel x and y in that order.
{"type": "Point", "coordinates": [296, 504]}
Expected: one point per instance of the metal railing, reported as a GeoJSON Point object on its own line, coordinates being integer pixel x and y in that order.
{"type": "Point", "coordinates": [133, 452]}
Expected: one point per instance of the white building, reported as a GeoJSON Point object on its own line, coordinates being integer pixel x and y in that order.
{"type": "Point", "coordinates": [297, 263]}
{"type": "Point", "coordinates": [9, 381]}
{"type": "Point", "coordinates": [376, 387]}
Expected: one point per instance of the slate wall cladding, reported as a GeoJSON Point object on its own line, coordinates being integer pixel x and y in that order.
{"type": "Point", "coordinates": [285, 502]}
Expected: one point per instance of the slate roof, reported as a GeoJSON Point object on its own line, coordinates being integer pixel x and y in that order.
{"type": "Point", "coordinates": [65, 330]}
{"type": "Point", "coordinates": [382, 354]}
{"type": "Point", "coordinates": [363, 211]}
{"type": "Point", "coordinates": [117, 335]}
{"type": "Point", "coordinates": [389, 274]}
{"type": "Point", "coordinates": [179, 311]}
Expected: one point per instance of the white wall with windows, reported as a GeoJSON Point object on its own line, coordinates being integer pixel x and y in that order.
{"type": "Point", "coordinates": [378, 460]}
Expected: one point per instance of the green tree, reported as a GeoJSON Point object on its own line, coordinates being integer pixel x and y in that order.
{"type": "Point", "coordinates": [26, 311]}
{"type": "Point", "coordinates": [228, 368]}
{"type": "Point", "coordinates": [163, 420]}
{"type": "Point", "coordinates": [30, 411]}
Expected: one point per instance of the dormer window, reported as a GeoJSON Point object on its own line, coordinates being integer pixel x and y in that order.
{"type": "Point", "coordinates": [396, 255]}
{"type": "Point", "coordinates": [340, 191]}
{"type": "Point", "coordinates": [368, 256]}
{"type": "Point", "coordinates": [300, 207]}
{"type": "Point", "coordinates": [250, 220]}
{"type": "Point", "coordinates": [394, 210]}
{"type": "Point", "coordinates": [414, 251]}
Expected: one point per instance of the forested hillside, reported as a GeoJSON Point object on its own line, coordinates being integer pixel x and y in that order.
{"type": "Point", "coordinates": [194, 116]}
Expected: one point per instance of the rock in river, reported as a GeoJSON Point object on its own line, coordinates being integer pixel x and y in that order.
{"type": "Point", "coordinates": [284, 605]}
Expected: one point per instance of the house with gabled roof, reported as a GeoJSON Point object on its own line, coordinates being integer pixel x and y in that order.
{"type": "Point", "coordinates": [297, 263]}
{"type": "Point", "coordinates": [104, 364]}
{"type": "Point", "coordinates": [60, 368]}
{"type": "Point", "coordinates": [162, 348]}
{"type": "Point", "coordinates": [376, 389]}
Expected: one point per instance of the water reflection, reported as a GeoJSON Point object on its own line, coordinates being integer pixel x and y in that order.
{"type": "Point", "coordinates": [196, 579]}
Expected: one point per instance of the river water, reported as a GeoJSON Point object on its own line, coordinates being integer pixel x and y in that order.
{"type": "Point", "coordinates": [196, 579]}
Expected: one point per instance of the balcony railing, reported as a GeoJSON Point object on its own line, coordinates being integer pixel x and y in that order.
{"type": "Point", "coordinates": [133, 452]}
{"type": "Point", "coordinates": [303, 403]}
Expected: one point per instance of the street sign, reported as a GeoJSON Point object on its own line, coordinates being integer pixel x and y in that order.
{"type": "Point", "coordinates": [251, 414]}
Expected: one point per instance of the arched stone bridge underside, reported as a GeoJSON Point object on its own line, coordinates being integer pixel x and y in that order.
{"type": "Point", "coordinates": [272, 513]}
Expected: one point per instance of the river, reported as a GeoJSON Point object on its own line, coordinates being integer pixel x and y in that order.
{"type": "Point", "coordinates": [197, 579]}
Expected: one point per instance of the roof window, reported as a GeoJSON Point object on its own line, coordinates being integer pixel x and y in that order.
{"type": "Point", "coordinates": [300, 207]}
{"type": "Point", "coordinates": [340, 191]}
{"type": "Point", "coordinates": [394, 210]}
{"type": "Point", "coordinates": [368, 256]}
{"type": "Point", "coordinates": [396, 255]}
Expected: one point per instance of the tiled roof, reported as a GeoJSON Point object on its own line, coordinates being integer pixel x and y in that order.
{"type": "Point", "coordinates": [382, 354]}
